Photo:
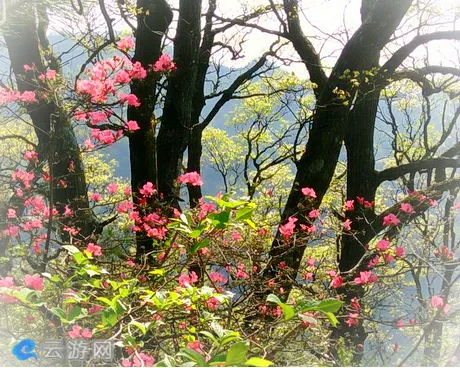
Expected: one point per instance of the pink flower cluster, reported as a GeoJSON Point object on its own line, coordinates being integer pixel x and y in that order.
{"type": "Point", "coordinates": [9, 96]}
{"type": "Point", "coordinates": [33, 282]}
{"type": "Point", "coordinates": [164, 64]}
{"type": "Point", "coordinates": [78, 333]}
{"type": "Point", "coordinates": [187, 279]}
{"type": "Point", "coordinates": [287, 229]}
{"type": "Point", "coordinates": [139, 360]}
{"type": "Point", "coordinates": [365, 277]}
{"type": "Point", "coordinates": [192, 178]}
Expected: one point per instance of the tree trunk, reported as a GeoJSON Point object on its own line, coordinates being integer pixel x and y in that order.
{"type": "Point", "coordinates": [52, 125]}
{"type": "Point", "coordinates": [176, 122]}
{"type": "Point", "coordinates": [153, 22]}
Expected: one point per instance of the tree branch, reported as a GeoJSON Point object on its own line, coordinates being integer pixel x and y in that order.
{"type": "Point", "coordinates": [227, 95]}
{"type": "Point", "coordinates": [303, 46]}
{"type": "Point", "coordinates": [394, 173]}
{"type": "Point", "coordinates": [400, 55]}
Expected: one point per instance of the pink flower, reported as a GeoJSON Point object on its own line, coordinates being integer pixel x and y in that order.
{"type": "Point", "coordinates": [95, 309]}
{"type": "Point", "coordinates": [355, 304]}
{"type": "Point", "coordinates": [347, 225]}
{"type": "Point", "coordinates": [137, 71]}
{"type": "Point", "coordinates": [31, 155]}
{"type": "Point", "coordinates": [391, 220]}
{"type": "Point", "coordinates": [309, 192]}
{"type": "Point", "coordinates": [383, 245]}
{"type": "Point", "coordinates": [86, 333]}
{"type": "Point", "coordinates": [88, 144]}
{"type": "Point", "coordinates": [288, 228]}
{"type": "Point", "coordinates": [7, 282]}
{"type": "Point", "coordinates": [365, 277]}
{"type": "Point", "coordinates": [33, 282]}
{"type": "Point", "coordinates": [337, 281]}
{"type": "Point", "coordinates": [407, 208]}
{"type": "Point", "coordinates": [311, 262]}
{"type": "Point", "coordinates": [67, 211]}
{"type": "Point", "coordinates": [11, 213]}
{"type": "Point", "coordinates": [192, 178]}
{"type": "Point", "coordinates": [29, 96]}
{"type": "Point", "coordinates": [148, 190]}
{"type": "Point", "coordinates": [164, 64]}
{"type": "Point", "coordinates": [352, 319]}
{"type": "Point", "coordinates": [12, 231]}
{"type": "Point", "coordinates": [217, 277]}
{"type": "Point", "coordinates": [112, 188]}
{"type": "Point", "coordinates": [187, 279]}
{"type": "Point", "coordinates": [131, 99]}
{"type": "Point", "coordinates": [28, 67]}
{"type": "Point", "coordinates": [400, 323]}
{"type": "Point", "coordinates": [122, 77]}
{"type": "Point", "coordinates": [125, 44]}
{"type": "Point", "coordinates": [195, 345]}
{"type": "Point", "coordinates": [313, 214]}
{"type": "Point", "coordinates": [75, 333]}
{"type": "Point", "coordinates": [96, 197]}
{"type": "Point", "coordinates": [78, 332]}
{"type": "Point", "coordinates": [437, 302]}
{"type": "Point", "coordinates": [143, 360]}
{"type": "Point", "coordinates": [130, 263]}
{"type": "Point", "coordinates": [350, 205]}
{"type": "Point", "coordinates": [132, 126]}
{"type": "Point", "coordinates": [50, 74]}
{"type": "Point", "coordinates": [97, 116]}
{"type": "Point", "coordinates": [212, 303]}
{"type": "Point", "coordinates": [95, 250]}
{"type": "Point", "coordinates": [236, 236]}
{"type": "Point", "coordinates": [399, 252]}
{"type": "Point", "coordinates": [331, 273]}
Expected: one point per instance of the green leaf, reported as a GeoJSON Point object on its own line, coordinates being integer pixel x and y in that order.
{"type": "Point", "coordinates": [195, 233]}
{"type": "Point", "coordinates": [334, 321]}
{"type": "Point", "coordinates": [329, 305]}
{"type": "Point", "coordinates": [288, 311]}
{"type": "Point", "coordinates": [258, 362]}
{"type": "Point", "coordinates": [194, 356]}
{"type": "Point", "coordinates": [109, 317]}
{"type": "Point", "coordinates": [210, 336]}
{"type": "Point", "coordinates": [124, 292]}
{"type": "Point", "coordinates": [79, 257]}
{"type": "Point", "coordinates": [244, 213]}
{"type": "Point", "coordinates": [251, 223]}
{"type": "Point", "coordinates": [199, 245]}
{"type": "Point", "coordinates": [74, 312]}
{"type": "Point", "coordinates": [105, 300]}
{"type": "Point", "coordinates": [229, 338]}
{"type": "Point", "coordinates": [217, 360]}
{"type": "Point", "coordinates": [60, 313]}
{"type": "Point", "coordinates": [237, 354]}
{"type": "Point", "coordinates": [141, 326]}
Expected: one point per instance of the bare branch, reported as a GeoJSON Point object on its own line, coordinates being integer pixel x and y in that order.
{"type": "Point", "coordinates": [416, 166]}
{"type": "Point", "coordinates": [400, 55]}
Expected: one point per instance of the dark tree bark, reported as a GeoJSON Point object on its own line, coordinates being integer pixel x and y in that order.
{"type": "Point", "coordinates": [332, 120]}
{"type": "Point", "coordinates": [153, 23]}
{"type": "Point", "coordinates": [176, 122]}
{"type": "Point", "coordinates": [195, 146]}
{"type": "Point", "coordinates": [25, 36]}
